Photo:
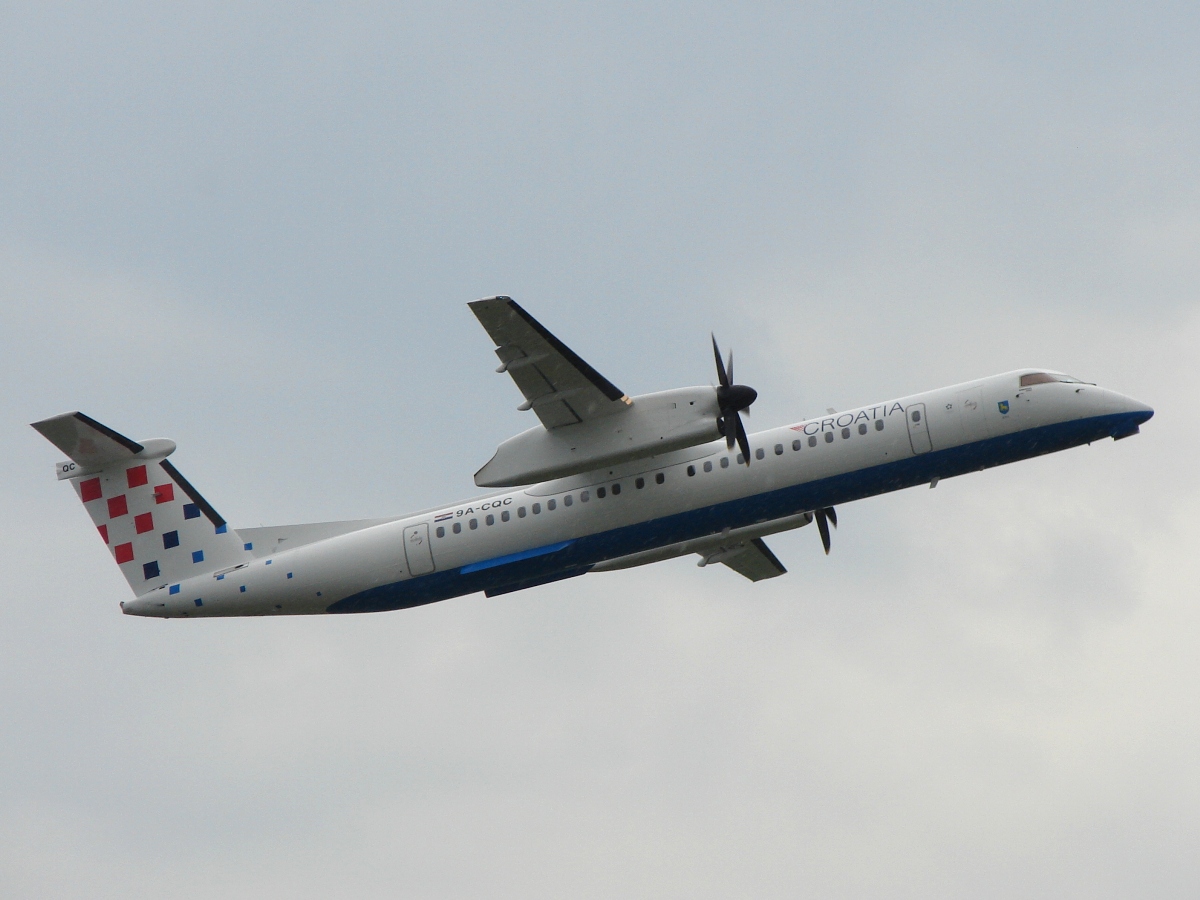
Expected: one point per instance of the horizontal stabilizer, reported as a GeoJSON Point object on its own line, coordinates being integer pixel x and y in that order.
{"type": "Point", "coordinates": [88, 443]}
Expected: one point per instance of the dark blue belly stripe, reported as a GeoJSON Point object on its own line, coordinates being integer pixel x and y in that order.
{"type": "Point", "coordinates": [570, 558]}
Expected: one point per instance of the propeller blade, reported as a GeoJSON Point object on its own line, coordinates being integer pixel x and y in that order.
{"type": "Point", "coordinates": [722, 375]}
{"type": "Point", "coordinates": [723, 425]}
{"type": "Point", "coordinates": [742, 441]}
{"type": "Point", "coordinates": [832, 513]}
{"type": "Point", "coordinates": [732, 399]}
{"type": "Point", "coordinates": [823, 527]}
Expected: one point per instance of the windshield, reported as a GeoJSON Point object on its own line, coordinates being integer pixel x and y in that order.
{"type": "Point", "coordinates": [1049, 378]}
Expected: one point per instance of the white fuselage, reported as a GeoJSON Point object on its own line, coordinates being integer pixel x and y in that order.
{"type": "Point", "coordinates": [639, 510]}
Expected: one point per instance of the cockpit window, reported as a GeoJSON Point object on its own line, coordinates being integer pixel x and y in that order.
{"type": "Point", "coordinates": [1048, 378]}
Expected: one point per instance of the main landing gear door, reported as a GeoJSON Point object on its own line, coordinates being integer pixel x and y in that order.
{"type": "Point", "coordinates": [417, 550]}
{"type": "Point", "coordinates": [918, 428]}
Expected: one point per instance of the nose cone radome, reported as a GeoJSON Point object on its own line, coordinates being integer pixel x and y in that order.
{"type": "Point", "coordinates": [1125, 414]}
{"type": "Point", "coordinates": [1137, 411]}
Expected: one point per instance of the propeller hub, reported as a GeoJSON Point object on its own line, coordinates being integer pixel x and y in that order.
{"type": "Point", "coordinates": [736, 396]}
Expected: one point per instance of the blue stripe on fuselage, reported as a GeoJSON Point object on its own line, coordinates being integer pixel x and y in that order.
{"type": "Point", "coordinates": [574, 557]}
{"type": "Point", "coordinates": [514, 557]}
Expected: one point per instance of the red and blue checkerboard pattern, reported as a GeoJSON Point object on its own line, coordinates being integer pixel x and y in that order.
{"type": "Point", "coordinates": [156, 533]}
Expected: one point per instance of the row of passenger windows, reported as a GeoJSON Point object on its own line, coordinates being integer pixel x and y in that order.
{"type": "Point", "coordinates": [761, 452]}
{"type": "Point", "coordinates": [551, 504]}
{"type": "Point", "coordinates": [640, 482]}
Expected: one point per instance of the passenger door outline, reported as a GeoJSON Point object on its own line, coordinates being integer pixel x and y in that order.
{"type": "Point", "coordinates": [417, 550]}
{"type": "Point", "coordinates": [918, 428]}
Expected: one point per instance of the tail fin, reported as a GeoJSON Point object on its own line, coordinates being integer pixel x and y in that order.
{"type": "Point", "coordinates": [156, 525]}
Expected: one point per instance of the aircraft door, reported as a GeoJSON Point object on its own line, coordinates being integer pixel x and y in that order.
{"type": "Point", "coordinates": [918, 428]}
{"type": "Point", "coordinates": [417, 549]}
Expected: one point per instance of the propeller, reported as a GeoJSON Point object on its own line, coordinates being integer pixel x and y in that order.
{"type": "Point", "coordinates": [732, 399]}
{"type": "Point", "coordinates": [825, 515]}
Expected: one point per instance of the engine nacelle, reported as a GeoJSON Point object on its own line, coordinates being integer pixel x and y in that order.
{"type": "Point", "coordinates": [651, 424]}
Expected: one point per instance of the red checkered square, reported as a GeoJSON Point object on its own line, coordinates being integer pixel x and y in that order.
{"type": "Point", "coordinates": [164, 493]}
{"type": "Point", "coordinates": [136, 476]}
{"type": "Point", "coordinates": [117, 506]}
{"type": "Point", "coordinates": [123, 552]}
{"type": "Point", "coordinates": [103, 529]}
{"type": "Point", "coordinates": [143, 523]}
{"type": "Point", "coordinates": [90, 490]}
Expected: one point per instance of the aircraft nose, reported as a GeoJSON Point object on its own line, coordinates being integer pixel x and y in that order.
{"type": "Point", "coordinates": [1125, 413]}
{"type": "Point", "coordinates": [1139, 411]}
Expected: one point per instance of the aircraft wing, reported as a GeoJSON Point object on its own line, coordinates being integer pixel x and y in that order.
{"type": "Point", "coordinates": [753, 560]}
{"type": "Point", "coordinates": [557, 385]}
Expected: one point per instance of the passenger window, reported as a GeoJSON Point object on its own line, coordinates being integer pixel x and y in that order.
{"type": "Point", "coordinates": [441, 532]}
{"type": "Point", "coordinates": [659, 478]}
{"type": "Point", "coordinates": [796, 444]}
{"type": "Point", "coordinates": [584, 496]}
{"type": "Point", "coordinates": [708, 465]}
{"type": "Point", "coordinates": [724, 462]}
{"type": "Point", "coordinates": [520, 512]}
{"type": "Point", "coordinates": [741, 459]}
{"type": "Point", "coordinates": [491, 520]}
{"type": "Point", "coordinates": [537, 508]}
{"type": "Point", "coordinates": [759, 453]}
{"type": "Point", "coordinates": [862, 427]}
{"type": "Point", "coordinates": [691, 471]}
{"type": "Point", "coordinates": [616, 489]}
{"type": "Point", "coordinates": [568, 500]}
{"type": "Point", "coordinates": [779, 449]}
{"type": "Point", "coordinates": [845, 433]}
{"type": "Point", "coordinates": [812, 440]}
{"type": "Point", "coordinates": [829, 437]}
{"type": "Point", "coordinates": [551, 504]}
{"type": "Point", "coordinates": [601, 493]}
{"type": "Point", "coordinates": [473, 524]}
{"type": "Point", "coordinates": [879, 424]}
{"type": "Point", "coordinates": [916, 415]}
{"type": "Point", "coordinates": [504, 516]}
{"type": "Point", "coordinates": [639, 482]}
{"type": "Point", "coordinates": [458, 527]}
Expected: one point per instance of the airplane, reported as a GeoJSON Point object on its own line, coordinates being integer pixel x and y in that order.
{"type": "Point", "coordinates": [604, 482]}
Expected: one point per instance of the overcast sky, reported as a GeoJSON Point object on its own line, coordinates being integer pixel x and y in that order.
{"type": "Point", "coordinates": [253, 229]}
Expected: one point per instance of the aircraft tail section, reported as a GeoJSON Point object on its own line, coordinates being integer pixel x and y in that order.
{"type": "Point", "coordinates": [158, 528]}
